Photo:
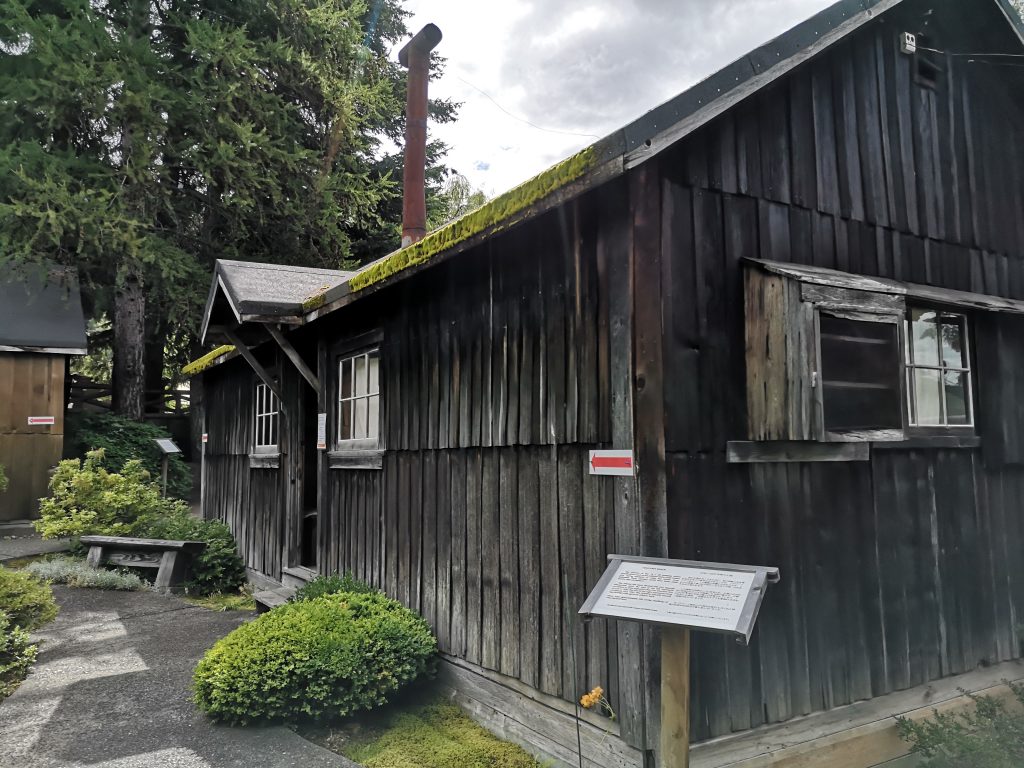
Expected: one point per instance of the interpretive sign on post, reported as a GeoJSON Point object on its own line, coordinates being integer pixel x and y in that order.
{"type": "Point", "coordinates": [679, 596]}
{"type": "Point", "coordinates": [712, 597]}
{"type": "Point", "coordinates": [167, 448]}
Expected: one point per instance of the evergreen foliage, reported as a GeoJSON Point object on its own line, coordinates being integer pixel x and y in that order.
{"type": "Point", "coordinates": [26, 601]}
{"type": "Point", "coordinates": [142, 139]}
{"type": "Point", "coordinates": [988, 734]}
{"type": "Point", "coordinates": [317, 659]}
{"type": "Point", "coordinates": [123, 440]}
{"type": "Point", "coordinates": [87, 499]}
{"type": "Point", "coordinates": [16, 655]}
{"type": "Point", "coordinates": [332, 585]}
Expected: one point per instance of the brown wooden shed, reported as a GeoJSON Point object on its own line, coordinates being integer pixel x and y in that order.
{"type": "Point", "coordinates": [41, 324]}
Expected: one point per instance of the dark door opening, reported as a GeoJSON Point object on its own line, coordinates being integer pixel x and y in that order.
{"type": "Point", "coordinates": [310, 479]}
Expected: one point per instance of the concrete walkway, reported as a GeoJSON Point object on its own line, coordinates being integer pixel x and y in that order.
{"type": "Point", "coordinates": [111, 690]}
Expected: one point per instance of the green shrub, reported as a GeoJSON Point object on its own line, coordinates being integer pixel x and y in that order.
{"type": "Point", "coordinates": [85, 498]}
{"type": "Point", "coordinates": [75, 573]}
{"type": "Point", "coordinates": [26, 601]}
{"type": "Point", "coordinates": [16, 655]}
{"type": "Point", "coordinates": [124, 440]}
{"type": "Point", "coordinates": [321, 658]}
{"type": "Point", "coordinates": [3, 479]}
{"type": "Point", "coordinates": [332, 585]}
{"type": "Point", "coordinates": [218, 568]}
{"type": "Point", "coordinates": [989, 734]}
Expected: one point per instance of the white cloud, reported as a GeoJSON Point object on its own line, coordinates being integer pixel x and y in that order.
{"type": "Point", "coordinates": [577, 70]}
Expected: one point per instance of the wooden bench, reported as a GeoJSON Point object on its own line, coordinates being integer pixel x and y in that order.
{"type": "Point", "coordinates": [171, 558]}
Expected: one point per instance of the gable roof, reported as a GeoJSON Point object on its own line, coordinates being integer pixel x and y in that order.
{"type": "Point", "coordinates": [257, 291]}
{"type": "Point", "coordinates": [41, 311]}
{"type": "Point", "coordinates": [620, 151]}
{"type": "Point", "coordinates": [626, 148]}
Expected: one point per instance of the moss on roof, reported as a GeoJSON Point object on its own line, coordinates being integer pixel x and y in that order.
{"type": "Point", "coordinates": [201, 364]}
{"type": "Point", "coordinates": [491, 215]}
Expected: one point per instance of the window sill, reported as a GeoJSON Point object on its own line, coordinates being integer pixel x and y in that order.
{"type": "Point", "coordinates": [930, 441]}
{"type": "Point", "coordinates": [264, 461]}
{"type": "Point", "coordinates": [356, 459]}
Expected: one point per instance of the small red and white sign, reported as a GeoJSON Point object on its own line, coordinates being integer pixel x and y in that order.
{"type": "Point", "coordinates": [41, 421]}
{"type": "Point", "coordinates": [206, 437]}
{"type": "Point", "coordinates": [616, 463]}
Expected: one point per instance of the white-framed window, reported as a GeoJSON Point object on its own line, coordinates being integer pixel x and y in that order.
{"type": "Point", "coordinates": [359, 400]}
{"type": "Point", "coordinates": [938, 364]}
{"type": "Point", "coordinates": [267, 420]}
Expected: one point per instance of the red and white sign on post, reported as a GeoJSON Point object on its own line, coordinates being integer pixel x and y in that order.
{"type": "Point", "coordinates": [615, 463]}
{"type": "Point", "coordinates": [41, 421]}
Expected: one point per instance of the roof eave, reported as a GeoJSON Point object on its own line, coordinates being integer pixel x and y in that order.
{"type": "Point", "coordinates": [654, 132]}
{"type": "Point", "coordinates": [44, 350]}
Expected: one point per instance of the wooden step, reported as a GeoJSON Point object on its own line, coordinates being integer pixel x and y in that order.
{"type": "Point", "coordinates": [272, 598]}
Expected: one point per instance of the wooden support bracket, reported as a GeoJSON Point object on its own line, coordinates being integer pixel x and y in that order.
{"type": "Point", "coordinates": [244, 350]}
{"type": "Point", "coordinates": [297, 361]}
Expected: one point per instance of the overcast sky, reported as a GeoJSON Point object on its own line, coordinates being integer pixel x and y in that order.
{"type": "Point", "coordinates": [577, 68]}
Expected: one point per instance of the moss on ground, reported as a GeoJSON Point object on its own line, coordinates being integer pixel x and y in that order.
{"type": "Point", "coordinates": [232, 601]}
{"type": "Point", "coordinates": [201, 364]}
{"type": "Point", "coordinates": [429, 734]}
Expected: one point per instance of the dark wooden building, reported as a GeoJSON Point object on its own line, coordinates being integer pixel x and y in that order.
{"type": "Point", "coordinates": [41, 324]}
{"type": "Point", "coordinates": [795, 291]}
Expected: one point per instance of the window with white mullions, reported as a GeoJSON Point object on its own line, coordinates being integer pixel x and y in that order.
{"type": "Point", "coordinates": [266, 422]}
{"type": "Point", "coordinates": [359, 400]}
{"type": "Point", "coordinates": [939, 388]}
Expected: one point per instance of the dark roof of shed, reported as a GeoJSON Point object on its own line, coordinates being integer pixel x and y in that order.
{"type": "Point", "coordinates": [256, 290]}
{"type": "Point", "coordinates": [41, 311]}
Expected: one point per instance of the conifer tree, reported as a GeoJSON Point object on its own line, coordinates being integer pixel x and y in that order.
{"type": "Point", "coordinates": [140, 140]}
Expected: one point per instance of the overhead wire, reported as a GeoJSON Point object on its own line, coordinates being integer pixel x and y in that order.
{"type": "Point", "coordinates": [523, 119]}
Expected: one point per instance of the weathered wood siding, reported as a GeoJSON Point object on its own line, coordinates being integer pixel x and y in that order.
{"type": "Point", "coordinates": [482, 517]}
{"type": "Point", "coordinates": [251, 501]}
{"type": "Point", "coordinates": [30, 385]}
{"type": "Point", "coordinates": [907, 567]}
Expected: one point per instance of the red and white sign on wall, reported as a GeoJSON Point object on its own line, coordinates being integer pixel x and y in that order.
{"type": "Point", "coordinates": [41, 421]}
{"type": "Point", "coordinates": [615, 463]}
{"type": "Point", "coordinates": [206, 437]}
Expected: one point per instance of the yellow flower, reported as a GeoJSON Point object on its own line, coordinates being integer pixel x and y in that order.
{"type": "Point", "coordinates": [592, 699]}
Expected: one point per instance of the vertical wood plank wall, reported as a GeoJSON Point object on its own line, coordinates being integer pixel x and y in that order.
{"type": "Point", "coordinates": [251, 501]}
{"type": "Point", "coordinates": [484, 517]}
{"type": "Point", "coordinates": [500, 371]}
{"type": "Point", "coordinates": [908, 567]}
{"type": "Point", "coordinates": [30, 385]}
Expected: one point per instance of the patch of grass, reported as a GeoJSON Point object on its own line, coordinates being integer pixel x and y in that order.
{"type": "Point", "coordinates": [221, 601]}
{"type": "Point", "coordinates": [75, 573]}
{"type": "Point", "coordinates": [431, 733]}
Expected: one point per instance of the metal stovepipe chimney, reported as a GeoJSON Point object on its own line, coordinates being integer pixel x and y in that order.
{"type": "Point", "coordinates": [416, 57]}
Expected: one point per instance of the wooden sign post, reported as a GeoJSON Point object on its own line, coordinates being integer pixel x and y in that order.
{"type": "Point", "coordinates": [167, 449]}
{"type": "Point", "coordinates": [679, 596]}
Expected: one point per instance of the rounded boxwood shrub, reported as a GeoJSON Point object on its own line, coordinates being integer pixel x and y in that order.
{"type": "Point", "coordinates": [27, 601]}
{"type": "Point", "coordinates": [320, 659]}
{"type": "Point", "coordinates": [331, 585]}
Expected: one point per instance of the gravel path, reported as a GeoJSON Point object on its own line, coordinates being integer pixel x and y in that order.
{"type": "Point", "coordinates": [111, 690]}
